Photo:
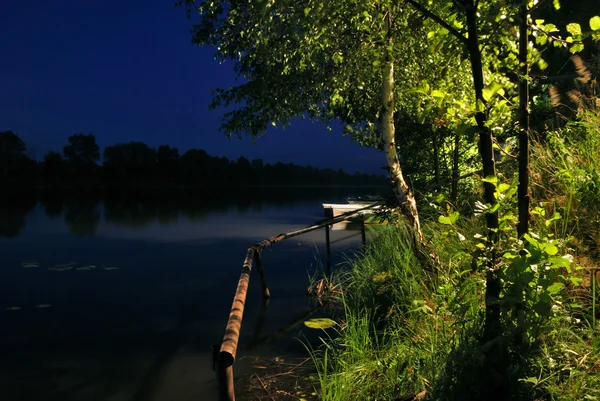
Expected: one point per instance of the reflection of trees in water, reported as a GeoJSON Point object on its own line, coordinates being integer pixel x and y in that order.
{"type": "Point", "coordinates": [130, 211]}
{"type": "Point", "coordinates": [140, 208]}
{"type": "Point", "coordinates": [82, 215]}
{"type": "Point", "coordinates": [52, 203]}
{"type": "Point", "coordinates": [13, 211]}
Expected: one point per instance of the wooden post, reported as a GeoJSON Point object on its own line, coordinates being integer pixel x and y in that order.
{"type": "Point", "coordinates": [363, 232]}
{"type": "Point", "coordinates": [261, 271]}
{"type": "Point", "coordinates": [328, 250]}
{"type": "Point", "coordinates": [262, 316]}
{"type": "Point", "coordinates": [225, 381]}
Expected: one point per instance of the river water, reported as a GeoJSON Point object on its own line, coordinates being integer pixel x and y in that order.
{"type": "Point", "coordinates": [120, 296]}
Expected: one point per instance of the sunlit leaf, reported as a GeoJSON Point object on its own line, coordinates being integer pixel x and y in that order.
{"type": "Point", "coordinates": [574, 29]}
{"type": "Point", "coordinates": [492, 179]}
{"type": "Point", "coordinates": [450, 219]}
{"type": "Point", "coordinates": [563, 261]}
{"type": "Point", "coordinates": [555, 288]}
{"type": "Point", "coordinates": [551, 249]}
{"type": "Point", "coordinates": [595, 23]}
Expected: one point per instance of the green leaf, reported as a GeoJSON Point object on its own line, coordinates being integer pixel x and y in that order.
{"type": "Point", "coordinates": [492, 179]}
{"type": "Point", "coordinates": [450, 219]}
{"type": "Point", "coordinates": [503, 187]}
{"type": "Point", "coordinates": [542, 64]}
{"type": "Point", "coordinates": [438, 94]}
{"type": "Point", "coordinates": [574, 29]}
{"type": "Point", "coordinates": [576, 281]}
{"type": "Point", "coordinates": [551, 249]}
{"type": "Point", "coordinates": [490, 90]}
{"type": "Point", "coordinates": [480, 107]}
{"type": "Point", "coordinates": [576, 48]}
{"type": "Point", "coordinates": [595, 23]}
{"type": "Point", "coordinates": [530, 239]}
{"type": "Point", "coordinates": [562, 261]}
{"type": "Point", "coordinates": [320, 323]}
{"type": "Point", "coordinates": [556, 4]}
{"type": "Point", "coordinates": [556, 288]}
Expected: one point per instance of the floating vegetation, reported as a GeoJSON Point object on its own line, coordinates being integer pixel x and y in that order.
{"type": "Point", "coordinates": [109, 267]}
{"type": "Point", "coordinates": [320, 323]}
{"type": "Point", "coordinates": [86, 268]}
{"type": "Point", "coordinates": [63, 267]}
{"type": "Point", "coordinates": [13, 308]}
{"type": "Point", "coordinates": [29, 264]}
{"type": "Point", "coordinates": [43, 306]}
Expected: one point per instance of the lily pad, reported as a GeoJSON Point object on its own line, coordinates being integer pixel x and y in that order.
{"type": "Point", "coordinates": [67, 264]}
{"type": "Point", "coordinates": [29, 264]}
{"type": "Point", "coordinates": [61, 268]}
{"type": "Point", "coordinates": [320, 323]}
{"type": "Point", "coordinates": [13, 308]}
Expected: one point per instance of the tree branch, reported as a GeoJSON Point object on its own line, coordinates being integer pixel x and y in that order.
{"type": "Point", "coordinates": [437, 19]}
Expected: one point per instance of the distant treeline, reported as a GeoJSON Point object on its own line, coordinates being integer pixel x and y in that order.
{"type": "Point", "coordinates": [136, 163]}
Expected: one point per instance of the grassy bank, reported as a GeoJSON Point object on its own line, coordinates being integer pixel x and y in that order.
{"type": "Point", "coordinates": [404, 331]}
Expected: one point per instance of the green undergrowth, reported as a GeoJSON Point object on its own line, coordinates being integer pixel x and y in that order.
{"type": "Point", "coordinates": [404, 331]}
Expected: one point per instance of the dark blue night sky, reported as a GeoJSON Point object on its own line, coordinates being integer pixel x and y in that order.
{"type": "Point", "coordinates": [126, 71]}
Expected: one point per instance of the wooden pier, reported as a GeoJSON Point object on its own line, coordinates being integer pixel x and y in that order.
{"type": "Point", "coordinates": [225, 354]}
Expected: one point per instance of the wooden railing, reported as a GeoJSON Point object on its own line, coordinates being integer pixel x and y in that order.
{"type": "Point", "coordinates": [225, 357]}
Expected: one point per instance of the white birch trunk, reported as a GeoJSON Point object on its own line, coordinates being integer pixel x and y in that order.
{"type": "Point", "coordinates": [400, 188]}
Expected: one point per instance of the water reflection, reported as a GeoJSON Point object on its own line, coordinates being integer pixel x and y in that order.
{"type": "Point", "coordinates": [82, 212]}
{"type": "Point", "coordinates": [13, 210]}
{"type": "Point", "coordinates": [144, 331]}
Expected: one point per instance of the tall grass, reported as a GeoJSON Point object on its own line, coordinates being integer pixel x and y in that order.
{"type": "Point", "coordinates": [396, 331]}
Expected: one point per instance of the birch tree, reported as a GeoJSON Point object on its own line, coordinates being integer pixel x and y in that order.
{"type": "Point", "coordinates": [321, 60]}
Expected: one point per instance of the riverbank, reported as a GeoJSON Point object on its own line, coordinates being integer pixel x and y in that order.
{"type": "Point", "coordinates": [405, 331]}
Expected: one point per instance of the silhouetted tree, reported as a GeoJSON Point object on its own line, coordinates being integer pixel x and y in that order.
{"type": "Point", "coordinates": [168, 162]}
{"type": "Point", "coordinates": [133, 161]}
{"type": "Point", "coordinates": [196, 166]}
{"type": "Point", "coordinates": [81, 154]}
{"type": "Point", "coordinates": [53, 166]}
{"type": "Point", "coordinates": [14, 164]}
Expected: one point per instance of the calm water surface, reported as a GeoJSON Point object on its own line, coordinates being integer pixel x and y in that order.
{"type": "Point", "coordinates": [120, 296]}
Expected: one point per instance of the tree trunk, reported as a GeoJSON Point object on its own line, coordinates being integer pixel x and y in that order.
{"type": "Point", "coordinates": [493, 284]}
{"type": "Point", "coordinates": [495, 361]}
{"type": "Point", "coordinates": [400, 188]}
{"type": "Point", "coordinates": [455, 168]}
{"type": "Point", "coordinates": [523, 193]}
